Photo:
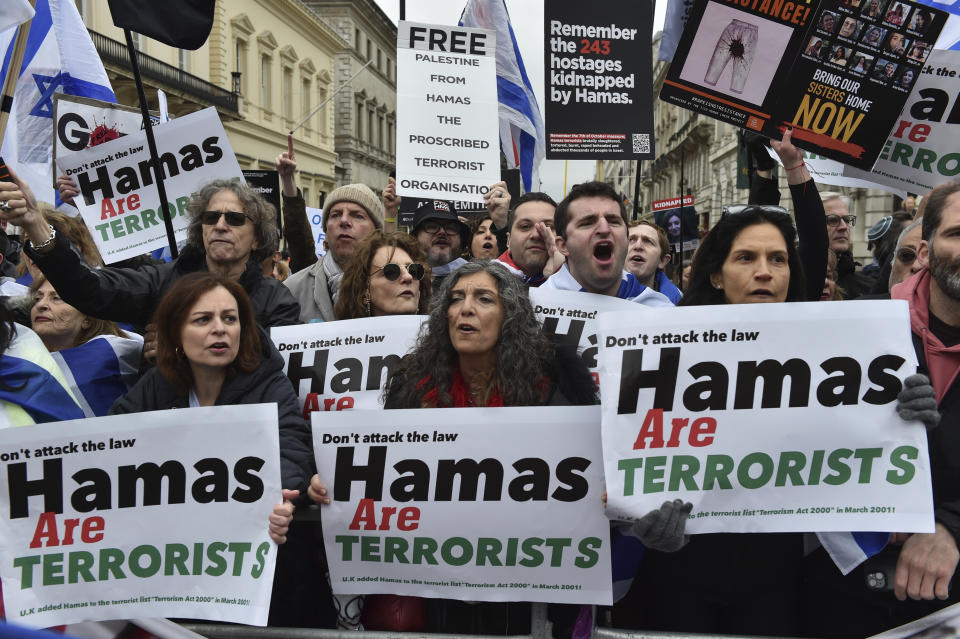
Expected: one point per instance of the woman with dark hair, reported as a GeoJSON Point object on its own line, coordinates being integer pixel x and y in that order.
{"type": "Point", "coordinates": [483, 246]}
{"type": "Point", "coordinates": [210, 352]}
{"type": "Point", "coordinates": [387, 275]}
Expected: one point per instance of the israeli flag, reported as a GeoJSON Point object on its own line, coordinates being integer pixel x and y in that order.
{"type": "Point", "coordinates": [850, 549]}
{"type": "Point", "coordinates": [521, 126]}
{"type": "Point", "coordinates": [101, 370]}
{"type": "Point", "coordinates": [60, 57]}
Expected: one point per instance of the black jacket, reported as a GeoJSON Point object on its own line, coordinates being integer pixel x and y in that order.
{"type": "Point", "coordinates": [266, 384]}
{"type": "Point", "coordinates": [131, 295]}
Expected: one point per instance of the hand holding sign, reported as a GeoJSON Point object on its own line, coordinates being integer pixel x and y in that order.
{"type": "Point", "coordinates": [68, 188]}
{"type": "Point", "coordinates": [317, 491]}
{"type": "Point", "coordinates": [281, 517]}
{"type": "Point", "coordinates": [287, 167]}
{"type": "Point", "coordinates": [391, 201]}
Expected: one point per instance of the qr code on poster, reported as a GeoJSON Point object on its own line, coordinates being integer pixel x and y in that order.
{"type": "Point", "coordinates": [641, 142]}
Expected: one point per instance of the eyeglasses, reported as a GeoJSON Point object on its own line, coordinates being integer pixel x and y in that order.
{"type": "Point", "coordinates": [209, 218]}
{"type": "Point", "coordinates": [734, 209]}
{"type": "Point", "coordinates": [906, 256]}
{"type": "Point", "coordinates": [433, 226]}
{"type": "Point", "coordinates": [392, 271]}
{"type": "Point", "coordinates": [834, 220]}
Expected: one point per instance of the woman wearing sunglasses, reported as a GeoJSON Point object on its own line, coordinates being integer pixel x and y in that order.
{"type": "Point", "coordinates": [229, 229]}
{"type": "Point", "coordinates": [387, 275]}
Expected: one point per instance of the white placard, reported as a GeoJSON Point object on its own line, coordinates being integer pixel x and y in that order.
{"type": "Point", "coordinates": [768, 417]}
{"type": "Point", "coordinates": [118, 197]}
{"type": "Point", "coordinates": [481, 504]}
{"type": "Point", "coordinates": [158, 514]}
{"type": "Point", "coordinates": [447, 112]}
{"type": "Point", "coordinates": [341, 365]}
{"type": "Point", "coordinates": [316, 225]}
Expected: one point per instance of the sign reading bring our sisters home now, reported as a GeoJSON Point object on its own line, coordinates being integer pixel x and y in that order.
{"type": "Point", "coordinates": [768, 418]}
{"type": "Point", "coordinates": [159, 514]}
{"type": "Point", "coordinates": [118, 195]}
{"type": "Point", "coordinates": [447, 112]}
{"type": "Point", "coordinates": [480, 504]}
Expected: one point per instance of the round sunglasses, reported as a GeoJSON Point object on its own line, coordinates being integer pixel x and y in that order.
{"type": "Point", "coordinates": [392, 271]}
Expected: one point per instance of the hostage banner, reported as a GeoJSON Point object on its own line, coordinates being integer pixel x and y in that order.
{"type": "Point", "coordinates": [162, 514]}
{"type": "Point", "coordinates": [448, 139]}
{"type": "Point", "coordinates": [341, 365]}
{"type": "Point", "coordinates": [408, 517]}
{"type": "Point", "coordinates": [572, 317]}
{"type": "Point", "coordinates": [768, 418]}
{"type": "Point", "coordinates": [118, 198]}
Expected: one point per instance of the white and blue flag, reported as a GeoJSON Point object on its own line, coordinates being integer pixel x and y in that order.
{"type": "Point", "coordinates": [521, 125]}
{"type": "Point", "coordinates": [59, 58]}
{"type": "Point", "coordinates": [101, 370]}
{"type": "Point", "coordinates": [950, 36]}
{"type": "Point", "coordinates": [850, 549]}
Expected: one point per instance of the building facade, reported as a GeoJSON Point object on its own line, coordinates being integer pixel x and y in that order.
{"type": "Point", "coordinates": [704, 151]}
{"type": "Point", "coordinates": [366, 111]}
{"type": "Point", "coordinates": [266, 65]}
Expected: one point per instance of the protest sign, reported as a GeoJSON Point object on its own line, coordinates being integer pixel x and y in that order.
{"type": "Point", "coordinates": [768, 418]}
{"type": "Point", "coordinates": [820, 69]}
{"type": "Point", "coordinates": [674, 21]}
{"type": "Point", "coordinates": [448, 143]}
{"type": "Point", "coordinates": [79, 123]}
{"type": "Point", "coordinates": [118, 198]}
{"type": "Point", "coordinates": [267, 185]}
{"type": "Point", "coordinates": [599, 86]}
{"type": "Point", "coordinates": [341, 365]}
{"type": "Point", "coordinates": [921, 151]}
{"type": "Point", "coordinates": [572, 317]}
{"type": "Point", "coordinates": [316, 224]}
{"type": "Point", "coordinates": [407, 515]}
{"type": "Point", "coordinates": [470, 210]}
{"type": "Point", "coordinates": [162, 514]}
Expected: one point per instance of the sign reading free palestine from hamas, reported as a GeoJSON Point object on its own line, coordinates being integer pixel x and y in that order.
{"type": "Point", "coordinates": [480, 504]}
{"type": "Point", "coordinates": [767, 417]}
{"type": "Point", "coordinates": [118, 197]}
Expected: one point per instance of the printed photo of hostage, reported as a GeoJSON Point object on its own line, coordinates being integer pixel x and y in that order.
{"type": "Point", "coordinates": [920, 22]}
{"type": "Point", "coordinates": [873, 37]}
{"type": "Point", "coordinates": [828, 22]}
{"type": "Point", "coordinates": [840, 56]}
{"type": "Point", "coordinates": [850, 28]}
{"type": "Point", "coordinates": [884, 70]}
{"type": "Point", "coordinates": [873, 9]}
{"type": "Point", "coordinates": [919, 52]}
{"type": "Point", "coordinates": [906, 79]}
{"type": "Point", "coordinates": [861, 63]}
{"type": "Point", "coordinates": [896, 44]}
{"type": "Point", "coordinates": [814, 47]}
{"type": "Point", "coordinates": [680, 224]}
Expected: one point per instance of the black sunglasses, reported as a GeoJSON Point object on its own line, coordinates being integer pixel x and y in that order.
{"type": "Point", "coordinates": [392, 271]}
{"type": "Point", "coordinates": [209, 218]}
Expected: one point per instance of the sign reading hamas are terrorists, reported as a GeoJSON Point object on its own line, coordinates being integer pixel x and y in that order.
{"type": "Point", "coordinates": [767, 417]}
{"type": "Point", "coordinates": [448, 143]}
{"type": "Point", "coordinates": [481, 504]}
{"type": "Point", "coordinates": [161, 515]}
{"type": "Point", "coordinates": [599, 96]}
{"type": "Point", "coordinates": [118, 198]}
{"type": "Point", "coordinates": [341, 365]}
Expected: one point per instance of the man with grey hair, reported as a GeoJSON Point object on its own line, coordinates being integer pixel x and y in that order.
{"type": "Point", "coordinates": [230, 226]}
{"type": "Point", "coordinates": [906, 255]}
{"type": "Point", "coordinates": [836, 207]}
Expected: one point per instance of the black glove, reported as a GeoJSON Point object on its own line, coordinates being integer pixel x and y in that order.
{"type": "Point", "coordinates": [917, 401]}
{"type": "Point", "coordinates": [758, 145]}
{"type": "Point", "coordinates": [664, 529]}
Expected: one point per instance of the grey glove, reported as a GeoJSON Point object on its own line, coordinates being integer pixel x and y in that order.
{"type": "Point", "coordinates": [664, 529]}
{"type": "Point", "coordinates": [917, 401]}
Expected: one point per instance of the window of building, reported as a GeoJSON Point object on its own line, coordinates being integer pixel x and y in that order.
{"type": "Point", "coordinates": [359, 121]}
{"type": "Point", "coordinates": [356, 40]}
{"type": "Point", "coordinates": [380, 139]}
{"type": "Point", "coordinates": [183, 59]}
{"type": "Point", "coordinates": [305, 105]}
{"type": "Point", "coordinates": [322, 126]}
{"type": "Point", "coordinates": [390, 140]}
{"type": "Point", "coordinates": [379, 59]}
{"type": "Point", "coordinates": [287, 93]}
{"type": "Point", "coordinates": [370, 126]}
{"type": "Point", "coordinates": [369, 50]}
{"type": "Point", "coordinates": [265, 62]}
{"type": "Point", "coordinates": [240, 61]}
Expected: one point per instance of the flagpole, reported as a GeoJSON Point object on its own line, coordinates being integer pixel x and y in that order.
{"type": "Point", "coordinates": [13, 74]}
{"type": "Point", "coordinates": [152, 144]}
{"type": "Point", "coordinates": [565, 178]}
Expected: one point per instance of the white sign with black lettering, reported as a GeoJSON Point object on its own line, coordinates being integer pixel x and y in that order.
{"type": "Point", "coordinates": [447, 112]}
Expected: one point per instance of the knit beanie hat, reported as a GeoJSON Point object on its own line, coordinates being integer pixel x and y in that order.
{"type": "Point", "coordinates": [358, 194]}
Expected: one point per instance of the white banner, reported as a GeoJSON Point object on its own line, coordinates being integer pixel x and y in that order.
{"type": "Point", "coordinates": [341, 365]}
{"type": "Point", "coordinates": [448, 136]}
{"type": "Point", "coordinates": [768, 417]}
{"type": "Point", "coordinates": [921, 151]}
{"type": "Point", "coordinates": [410, 514]}
{"type": "Point", "coordinates": [316, 224]}
{"type": "Point", "coordinates": [118, 197]}
{"type": "Point", "coordinates": [159, 514]}
{"type": "Point", "coordinates": [572, 317]}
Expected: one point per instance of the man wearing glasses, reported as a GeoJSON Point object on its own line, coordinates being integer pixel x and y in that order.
{"type": "Point", "coordinates": [441, 235]}
{"type": "Point", "coordinates": [231, 228]}
{"type": "Point", "coordinates": [839, 222]}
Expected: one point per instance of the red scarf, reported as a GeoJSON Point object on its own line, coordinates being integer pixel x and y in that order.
{"type": "Point", "coordinates": [459, 392]}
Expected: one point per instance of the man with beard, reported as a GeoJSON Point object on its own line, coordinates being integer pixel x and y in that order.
{"type": "Point", "coordinates": [441, 235]}
{"type": "Point", "coordinates": [532, 253]}
{"type": "Point", "coordinates": [591, 223]}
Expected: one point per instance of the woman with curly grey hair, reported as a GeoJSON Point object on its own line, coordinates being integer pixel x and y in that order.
{"type": "Point", "coordinates": [483, 346]}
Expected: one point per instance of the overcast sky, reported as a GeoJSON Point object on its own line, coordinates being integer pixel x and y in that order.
{"type": "Point", "coordinates": [527, 19]}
